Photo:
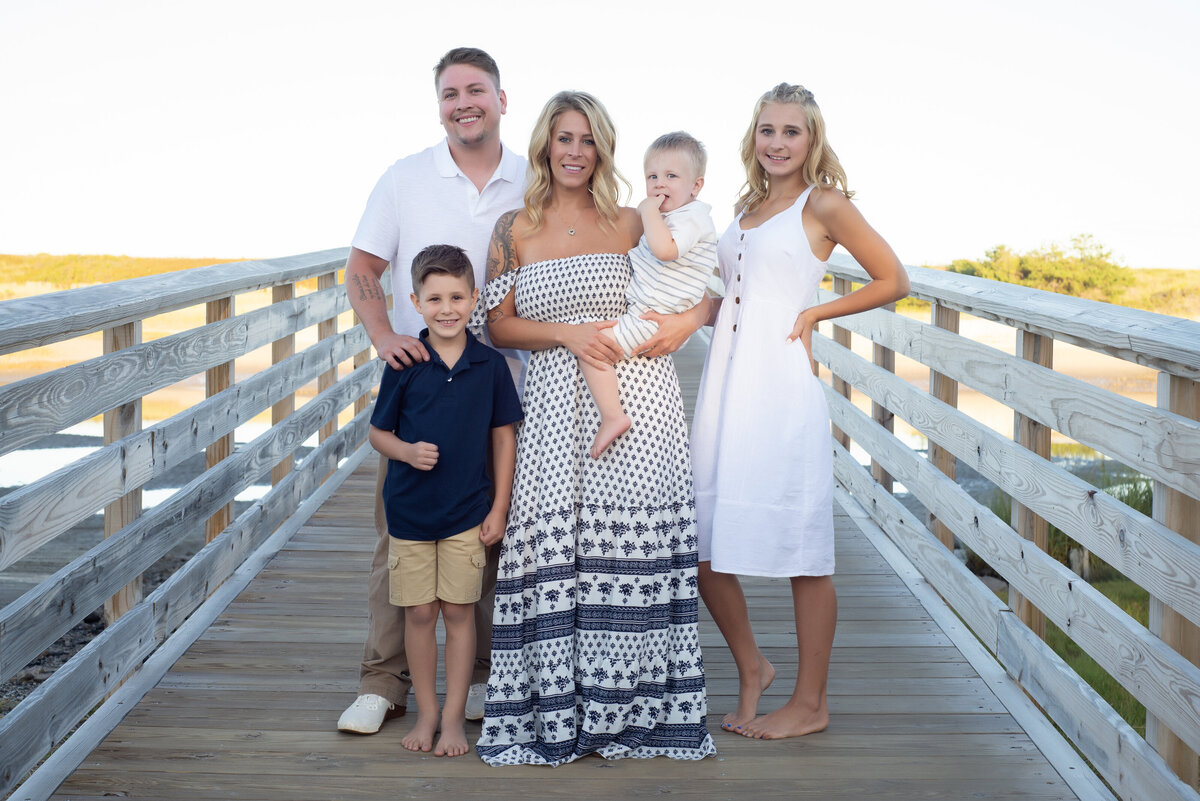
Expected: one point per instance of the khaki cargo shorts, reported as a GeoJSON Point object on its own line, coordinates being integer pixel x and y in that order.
{"type": "Point", "coordinates": [450, 570]}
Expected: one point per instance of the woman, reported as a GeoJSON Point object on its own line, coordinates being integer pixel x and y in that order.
{"type": "Point", "coordinates": [760, 444]}
{"type": "Point", "coordinates": [594, 645]}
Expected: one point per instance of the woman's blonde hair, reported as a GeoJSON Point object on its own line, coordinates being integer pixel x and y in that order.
{"type": "Point", "coordinates": [603, 183]}
{"type": "Point", "coordinates": [821, 166]}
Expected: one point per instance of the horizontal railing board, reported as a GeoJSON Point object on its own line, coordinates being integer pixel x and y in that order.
{"type": "Point", "coordinates": [43, 614]}
{"type": "Point", "coordinates": [956, 583]}
{"type": "Point", "coordinates": [48, 715]}
{"type": "Point", "coordinates": [1154, 340]}
{"type": "Point", "coordinates": [1122, 756]}
{"type": "Point", "coordinates": [1159, 559]}
{"type": "Point", "coordinates": [189, 586]}
{"type": "Point", "coordinates": [45, 404]}
{"type": "Point", "coordinates": [38, 512]}
{"type": "Point", "coordinates": [1156, 442]}
{"type": "Point", "coordinates": [1163, 680]}
{"type": "Point", "coordinates": [43, 319]}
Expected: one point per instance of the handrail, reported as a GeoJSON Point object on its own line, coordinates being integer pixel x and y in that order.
{"type": "Point", "coordinates": [107, 478]}
{"type": "Point", "coordinates": [1159, 551]}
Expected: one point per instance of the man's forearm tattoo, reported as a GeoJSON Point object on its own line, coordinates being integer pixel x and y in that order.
{"type": "Point", "coordinates": [368, 288]}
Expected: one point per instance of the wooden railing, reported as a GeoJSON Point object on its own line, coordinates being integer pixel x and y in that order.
{"type": "Point", "coordinates": [1159, 551]}
{"type": "Point", "coordinates": [1155, 664]}
{"type": "Point", "coordinates": [111, 477]}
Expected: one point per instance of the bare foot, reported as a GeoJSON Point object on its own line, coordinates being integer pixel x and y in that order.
{"type": "Point", "coordinates": [609, 430]}
{"type": "Point", "coordinates": [420, 738]}
{"type": "Point", "coordinates": [790, 720]}
{"type": "Point", "coordinates": [453, 741]}
{"type": "Point", "coordinates": [750, 689]}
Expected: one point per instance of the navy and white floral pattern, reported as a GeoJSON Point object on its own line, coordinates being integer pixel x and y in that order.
{"type": "Point", "coordinates": [594, 645]}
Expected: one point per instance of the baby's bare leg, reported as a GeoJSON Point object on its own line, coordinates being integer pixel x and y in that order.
{"type": "Point", "coordinates": [602, 383]}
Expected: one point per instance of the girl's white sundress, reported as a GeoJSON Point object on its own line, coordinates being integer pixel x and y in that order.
{"type": "Point", "coordinates": [595, 646]}
{"type": "Point", "coordinates": [761, 447]}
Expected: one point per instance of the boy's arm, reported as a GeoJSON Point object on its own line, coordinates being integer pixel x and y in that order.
{"type": "Point", "coordinates": [421, 455]}
{"type": "Point", "coordinates": [654, 225]}
{"type": "Point", "coordinates": [504, 461]}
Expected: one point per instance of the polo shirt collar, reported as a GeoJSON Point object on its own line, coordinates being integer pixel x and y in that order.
{"type": "Point", "coordinates": [509, 170]}
{"type": "Point", "coordinates": [474, 353]}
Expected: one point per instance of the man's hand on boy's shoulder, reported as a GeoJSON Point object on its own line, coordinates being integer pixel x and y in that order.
{"type": "Point", "coordinates": [421, 455]}
{"type": "Point", "coordinates": [401, 350]}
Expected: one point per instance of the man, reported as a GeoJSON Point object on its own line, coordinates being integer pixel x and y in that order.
{"type": "Point", "coordinates": [451, 193]}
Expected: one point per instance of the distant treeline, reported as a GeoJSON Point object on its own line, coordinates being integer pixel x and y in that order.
{"type": "Point", "coordinates": [1085, 269]}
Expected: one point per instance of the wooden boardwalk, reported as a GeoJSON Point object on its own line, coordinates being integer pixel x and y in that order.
{"type": "Point", "coordinates": [249, 711]}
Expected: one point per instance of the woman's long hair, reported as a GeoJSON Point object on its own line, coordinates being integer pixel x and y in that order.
{"type": "Point", "coordinates": [603, 183]}
{"type": "Point", "coordinates": [821, 166]}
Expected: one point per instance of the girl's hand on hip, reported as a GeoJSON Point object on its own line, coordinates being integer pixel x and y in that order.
{"type": "Point", "coordinates": [806, 321]}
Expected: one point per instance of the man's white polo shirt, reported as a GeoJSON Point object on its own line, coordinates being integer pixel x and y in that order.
{"type": "Point", "coordinates": [425, 199]}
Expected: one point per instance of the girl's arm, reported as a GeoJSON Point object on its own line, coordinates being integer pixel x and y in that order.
{"type": "Point", "coordinates": [843, 224]}
{"type": "Point", "coordinates": [507, 330]}
{"type": "Point", "coordinates": [504, 461]}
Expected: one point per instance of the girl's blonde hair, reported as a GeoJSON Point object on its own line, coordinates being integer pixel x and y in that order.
{"type": "Point", "coordinates": [821, 166]}
{"type": "Point", "coordinates": [603, 183]}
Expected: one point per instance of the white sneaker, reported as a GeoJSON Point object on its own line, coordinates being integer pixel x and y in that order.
{"type": "Point", "coordinates": [476, 696]}
{"type": "Point", "coordinates": [366, 714]}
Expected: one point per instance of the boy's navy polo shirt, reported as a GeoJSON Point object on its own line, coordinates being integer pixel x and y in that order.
{"type": "Point", "coordinates": [455, 409]}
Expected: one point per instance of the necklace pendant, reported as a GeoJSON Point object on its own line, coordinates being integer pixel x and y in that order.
{"type": "Point", "coordinates": [571, 231]}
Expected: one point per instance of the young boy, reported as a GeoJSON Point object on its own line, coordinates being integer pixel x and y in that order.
{"type": "Point", "coordinates": [434, 421]}
{"type": "Point", "coordinates": [671, 265]}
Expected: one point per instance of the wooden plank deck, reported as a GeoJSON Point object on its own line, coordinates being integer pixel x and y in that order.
{"type": "Point", "coordinates": [249, 711]}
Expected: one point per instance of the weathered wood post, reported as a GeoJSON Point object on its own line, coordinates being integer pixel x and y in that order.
{"type": "Point", "coordinates": [120, 422]}
{"type": "Point", "coordinates": [217, 379]}
{"type": "Point", "coordinates": [1033, 435]}
{"type": "Point", "coordinates": [945, 389]}
{"type": "Point", "coordinates": [885, 358]}
{"type": "Point", "coordinates": [326, 329]}
{"type": "Point", "coordinates": [841, 336]}
{"type": "Point", "coordinates": [281, 349]}
{"type": "Point", "coordinates": [1181, 513]}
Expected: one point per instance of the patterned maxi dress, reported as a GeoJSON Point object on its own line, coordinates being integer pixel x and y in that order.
{"type": "Point", "coordinates": [594, 646]}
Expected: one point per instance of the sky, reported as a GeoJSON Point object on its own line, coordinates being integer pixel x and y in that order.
{"type": "Point", "coordinates": [256, 128]}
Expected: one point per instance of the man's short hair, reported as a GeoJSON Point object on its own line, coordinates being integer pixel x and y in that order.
{"type": "Point", "coordinates": [685, 143]}
{"type": "Point", "coordinates": [467, 55]}
{"type": "Point", "coordinates": [446, 259]}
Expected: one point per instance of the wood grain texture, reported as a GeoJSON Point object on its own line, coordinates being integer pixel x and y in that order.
{"type": "Point", "coordinates": [1157, 442]}
{"type": "Point", "coordinates": [1165, 343]}
{"type": "Point", "coordinates": [43, 319]}
{"type": "Point", "coordinates": [44, 613]}
{"type": "Point", "coordinates": [1151, 671]}
{"type": "Point", "coordinates": [47, 403]}
{"type": "Point", "coordinates": [910, 718]}
{"type": "Point", "coordinates": [119, 423]}
{"type": "Point", "coordinates": [34, 514]}
{"type": "Point", "coordinates": [945, 389]}
{"type": "Point", "coordinates": [1145, 550]}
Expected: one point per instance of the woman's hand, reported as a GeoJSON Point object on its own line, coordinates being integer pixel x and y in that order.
{"type": "Point", "coordinates": [673, 329]}
{"type": "Point", "coordinates": [586, 342]}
